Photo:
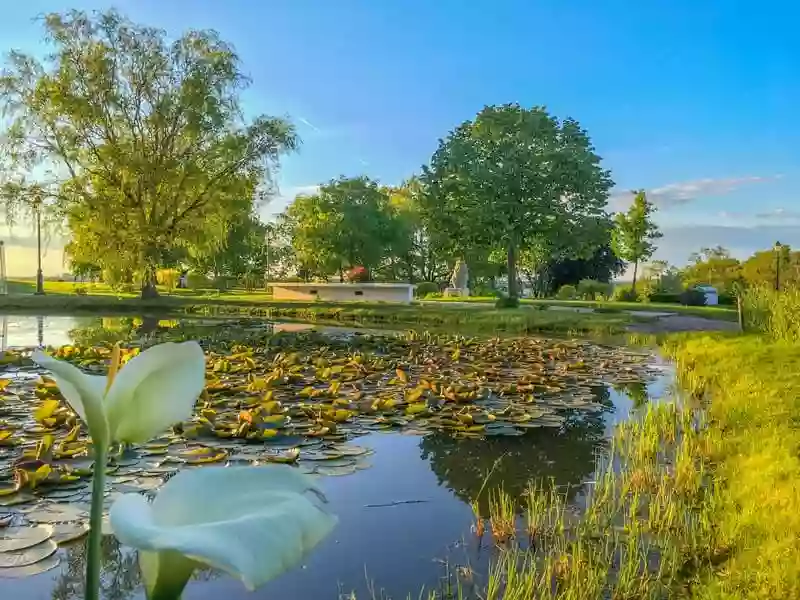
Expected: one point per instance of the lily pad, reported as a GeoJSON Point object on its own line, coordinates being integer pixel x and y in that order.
{"type": "Point", "coordinates": [19, 538]}
{"type": "Point", "coordinates": [27, 556]}
{"type": "Point", "coordinates": [37, 568]}
{"type": "Point", "coordinates": [64, 533]}
{"type": "Point", "coordinates": [56, 513]}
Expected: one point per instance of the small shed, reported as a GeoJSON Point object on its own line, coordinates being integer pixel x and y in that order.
{"type": "Point", "coordinates": [711, 294]}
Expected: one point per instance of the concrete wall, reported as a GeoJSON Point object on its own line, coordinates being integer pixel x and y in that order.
{"type": "Point", "coordinates": [343, 292]}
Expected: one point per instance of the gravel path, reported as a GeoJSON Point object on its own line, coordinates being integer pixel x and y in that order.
{"type": "Point", "coordinates": [675, 323]}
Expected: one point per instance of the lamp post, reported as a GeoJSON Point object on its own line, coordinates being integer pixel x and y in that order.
{"type": "Point", "coordinates": [37, 209]}
{"type": "Point", "coordinates": [778, 248]}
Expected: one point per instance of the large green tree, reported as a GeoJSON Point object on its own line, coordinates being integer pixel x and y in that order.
{"type": "Point", "coordinates": [347, 223]}
{"type": "Point", "coordinates": [138, 142]}
{"type": "Point", "coordinates": [635, 232]}
{"type": "Point", "coordinates": [512, 177]}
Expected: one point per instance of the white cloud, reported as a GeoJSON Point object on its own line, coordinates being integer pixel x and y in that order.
{"type": "Point", "coordinates": [675, 194]}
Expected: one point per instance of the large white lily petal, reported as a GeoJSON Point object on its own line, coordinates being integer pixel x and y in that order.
{"type": "Point", "coordinates": [155, 390]}
{"type": "Point", "coordinates": [253, 522]}
{"type": "Point", "coordinates": [83, 392]}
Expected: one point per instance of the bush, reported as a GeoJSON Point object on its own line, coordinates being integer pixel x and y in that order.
{"type": "Point", "coordinates": [357, 275]}
{"type": "Point", "coordinates": [424, 288]}
{"type": "Point", "coordinates": [624, 293]}
{"type": "Point", "coordinates": [665, 297]}
{"type": "Point", "coordinates": [198, 281]}
{"type": "Point", "coordinates": [167, 277]}
{"type": "Point", "coordinates": [567, 292]}
{"type": "Point", "coordinates": [727, 299]}
{"type": "Point", "coordinates": [485, 291]}
{"type": "Point", "coordinates": [591, 289]}
{"type": "Point", "coordinates": [506, 302]}
{"type": "Point", "coordinates": [81, 290]}
{"type": "Point", "coordinates": [693, 297]}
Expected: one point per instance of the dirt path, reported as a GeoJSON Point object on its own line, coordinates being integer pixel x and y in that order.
{"type": "Point", "coordinates": [675, 323]}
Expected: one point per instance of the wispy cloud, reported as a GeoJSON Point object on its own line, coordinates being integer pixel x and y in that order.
{"type": "Point", "coordinates": [309, 124]}
{"type": "Point", "coordinates": [683, 192]}
{"type": "Point", "coordinates": [779, 213]}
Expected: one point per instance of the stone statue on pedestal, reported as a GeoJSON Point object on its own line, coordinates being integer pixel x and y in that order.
{"type": "Point", "coordinates": [459, 280]}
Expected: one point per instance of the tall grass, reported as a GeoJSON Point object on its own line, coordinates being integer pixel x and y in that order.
{"type": "Point", "coordinates": [776, 313]}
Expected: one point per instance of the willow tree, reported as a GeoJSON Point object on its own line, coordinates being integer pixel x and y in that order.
{"type": "Point", "coordinates": [138, 142]}
{"type": "Point", "coordinates": [513, 177]}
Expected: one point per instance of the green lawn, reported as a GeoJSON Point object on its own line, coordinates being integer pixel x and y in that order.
{"type": "Point", "coordinates": [724, 313]}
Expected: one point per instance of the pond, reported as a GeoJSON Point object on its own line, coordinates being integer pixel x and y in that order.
{"type": "Point", "coordinates": [445, 418]}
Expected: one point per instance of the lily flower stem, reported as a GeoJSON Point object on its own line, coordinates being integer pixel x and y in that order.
{"type": "Point", "coordinates": [93, 562]}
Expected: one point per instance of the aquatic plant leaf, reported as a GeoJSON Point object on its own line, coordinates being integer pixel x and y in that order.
{"type": "Point", "coordinates": [27, 556]}
{"type": "Point", "coordinates": [37, 568]}
{"type": "Point", "coordinates": [18, 538]}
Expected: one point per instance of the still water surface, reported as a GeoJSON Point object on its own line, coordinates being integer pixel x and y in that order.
{"type": "Point", "coordinates": [383, 538]}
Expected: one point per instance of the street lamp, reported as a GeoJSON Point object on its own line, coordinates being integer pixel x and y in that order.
{"type": "Point", "coordinates": [37, 209]}
{"type": "Point", "coordinates": [778, 248]}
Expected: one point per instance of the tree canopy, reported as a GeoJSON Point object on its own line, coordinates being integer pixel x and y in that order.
{"type": "Point", "coordinates": [513, 177]}
{"type": "Point", "coordinates": [139, 142]}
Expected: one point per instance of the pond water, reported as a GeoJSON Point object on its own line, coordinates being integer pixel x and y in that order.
{"type": "Point", "coordinates": [402, 520]}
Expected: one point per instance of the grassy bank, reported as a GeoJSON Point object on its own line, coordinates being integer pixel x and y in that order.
{"type": "Point", "coordinates": [723, 313]}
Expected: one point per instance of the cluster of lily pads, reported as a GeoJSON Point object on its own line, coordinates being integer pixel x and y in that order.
{"type": "Point", "coordinates": [286, 398]}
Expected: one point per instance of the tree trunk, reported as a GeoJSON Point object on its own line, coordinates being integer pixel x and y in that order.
{"type": "Point", "coordinates": [512, 271]}
{"type": "Point", "coordinates": [149, 289]}
{"type": "Point", "coordinates": [635, 271]}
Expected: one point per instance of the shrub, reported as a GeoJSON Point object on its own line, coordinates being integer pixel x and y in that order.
{"type": "Point", "coordinates": [665, 297]}
{"type": "Point", "coordinates": [567, 292]}
{"type": "Point", "coordinates": [485, 291]}
{"type": "Point", "coordinates": [167, 277]}
{"type": "Point", "coordinates": [198, 281]}
{"type": "Point", "coordinates": [506, 302]}
{"type": "Point", "coordinates": [357, 275]}
{"type": "Point", "coordinates": [624, 293]}
{"type": "Point", "coordinates": [591, 289]}
{"type": "Point", "coordinates": [424, 288]}
{"type": "Point", "coordinates": [81, 290]}
{"type": "Point", "coordinates": [693, 297]}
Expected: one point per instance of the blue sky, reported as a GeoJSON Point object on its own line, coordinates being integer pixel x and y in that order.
{"type": "Point", "coordinates": [695, 101]}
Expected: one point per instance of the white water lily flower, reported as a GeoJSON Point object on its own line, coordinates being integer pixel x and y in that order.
{"type": "Point", "coordinates": [252, 522]}
{"type": "Point", "coordinates": [151, 392]}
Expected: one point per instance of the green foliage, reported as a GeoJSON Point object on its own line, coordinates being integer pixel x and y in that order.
{"type": "Point", "coordinates": [141, 140]}
{"type": "Point", "coordinates": [167, 278]}
{"type": "Point", "coordinates": [424, 288]}
{"type": "Point", "coordinates": [242, 252]}
{"type": "Point", "coordinates": [665, 297]}
{"type": "Point", "coordinates": [590, 289]}
{"type": "Point", "coordinates": [504, 302]}
{"type": "Point", "coordinates": [635, 232]}
{"type": "Point", "coordinates": [624, 293]}
{"type": "Point", "coordinates": [347, 223]}
{"type": "Point", "coordinates": [692, 297]}
{"type": "Point", "coordinates": [716, 267]}
{"type": "Point", "coordinates": [512, 178]}
{"type": "Point", "coordinates": [198, 281]}
{"type": "Point", "coordinates": [567, 292]}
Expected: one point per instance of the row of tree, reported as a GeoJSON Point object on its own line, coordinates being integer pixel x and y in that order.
{"type": "Point", "coordinates": [137, 145]}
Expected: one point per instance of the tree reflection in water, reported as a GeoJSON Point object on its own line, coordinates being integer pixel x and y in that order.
{"type": "Point", "coordinates": [566, 455]}
{"type": "Point", "coordinates": [120, 579]}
